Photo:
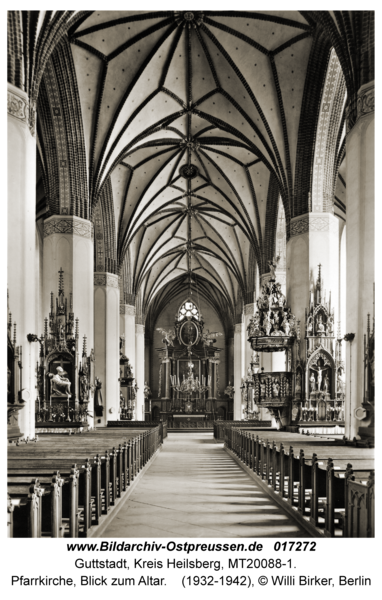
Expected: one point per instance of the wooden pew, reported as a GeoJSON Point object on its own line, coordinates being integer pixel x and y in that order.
{"type": "Point", "coordinates": [46, 466]}
{"type": "Point", "coordinates": [337, 474]}
{"type": "Point", "coordinates": [25, 499]}
{"type": "Point", "coordinates": [70, 510]}
{"type": "Point", "coordinates": [116, 457]}
{"type": "Point", "coordinates": [360, 506]}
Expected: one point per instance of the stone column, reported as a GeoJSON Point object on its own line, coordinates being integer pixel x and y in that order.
{"type": "Point", "coordinates": [314, 239]}
{"type": "Point", "coordinates": [106, 338]}
{"type": "Point", "coordinates": [22, 242]}
{"type": "Point", "coordinates": [238, 370]}
{"type": "Point", "coordinates": [140, 370]}
{"type": "Point", "coordinates": [68, 244]}
{"type": "Point", "coordinates": [359, 255]}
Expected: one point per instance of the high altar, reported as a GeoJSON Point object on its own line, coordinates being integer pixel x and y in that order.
{"type": "Point", "coordinates": [189, 372]}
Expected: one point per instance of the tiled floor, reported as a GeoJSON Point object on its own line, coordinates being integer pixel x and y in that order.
{"type": "Point", "coordinates": [194, 489]}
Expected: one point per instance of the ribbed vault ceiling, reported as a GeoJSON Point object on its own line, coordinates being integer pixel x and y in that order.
{"type": "Point", "coordinates": [190, 113]}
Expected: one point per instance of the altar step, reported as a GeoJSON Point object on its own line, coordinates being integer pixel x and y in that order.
{"type": "Point", "coordinates": [190, 429]}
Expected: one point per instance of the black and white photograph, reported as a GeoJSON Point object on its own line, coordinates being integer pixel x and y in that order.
{"type": "Point", "coordinates": [191, 300]}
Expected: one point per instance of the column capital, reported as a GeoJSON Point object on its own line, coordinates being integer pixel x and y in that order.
{"type": "Point", "coordinates": [360, 105]}
{"type": "Point", "coordinates": [127, 309]}
{"type": "Point", "coordinates": [365, 100]}
{"type": "Point", "coordinates": [19, 107]}
{"type": "Point", "coordinates": [139, 328]}
{"type": "Point", "coordinates": [68, 224]}
{"type": "Point", "coordinates": [106, 279]}
{"type": "Point", "coordinates": [311, 222]}
{"type": "Point", "coordinates": [238, 328]}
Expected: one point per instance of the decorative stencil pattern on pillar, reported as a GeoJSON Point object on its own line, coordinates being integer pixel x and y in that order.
{"type": "Point", "coordinates": [106, 279]}
{"type": "Point", "coordinates": [309, 223]}
{"type": "Point", "coordinates": [334, 78]}
{"type": "Point", "coordinates": [70, 225]}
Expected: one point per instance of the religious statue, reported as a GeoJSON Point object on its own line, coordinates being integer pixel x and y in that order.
{"type": "Point", "coordinates": [272, 268]}
{"type": "Point", "coordinates": [326, 384]}
{"type": "Point", "coordinates": [276, 330]}
{"type": "Point", "coordinates": [146, 391]}
{"type": "Point", "coordinates": [298, 383]}
{"type": "Point", "coordinates": [330, 325]}
{"type": "Point", "coordinates": [278, 297]}
{"type": "Point", "coordinates": [60, 384]}
{"type": "Point", "coordinates": [98, 393]}
{"type": "Point", "coordinates": [312, 381]}
{"type": "Point", "coordinates": [121, 401]}
{"type": "Point", "coordinates": [229, 391]}
{"type": "Point", "coordinates": [320, 327]}
{"type": "Point", "coordinates": [267, 323]}
{"type": "Point", "coordinates": [275, 388]}
{"type": "Point", "coordinates": [309, 325]}
{"type": "Point", "coordinates": [319, 376]}
{"type": "Point", "coordinates": [262, 388]}
{"type": "Point", "coordinates": [84, 388]}
{"type": "Point", "coordinates": [286, 326]}
{"type": "Point", "coordinates": [169, 336]}
{"type": "Point", "coordinates": [287, 387]}
{"type": "Point", "coordinates": [208, 338]}
{"type": "Point", "coordinates": [341, 381]}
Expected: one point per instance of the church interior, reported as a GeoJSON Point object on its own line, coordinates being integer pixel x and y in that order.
{"type": "Point", "coordinates": [209, 316]}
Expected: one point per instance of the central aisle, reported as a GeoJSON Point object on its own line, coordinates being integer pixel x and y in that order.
{"type": "Point", "coordinates": [194, 489]}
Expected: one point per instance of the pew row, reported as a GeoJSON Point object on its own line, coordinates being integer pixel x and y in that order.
{"type": "Point", "coordinates": [80, 479]}
{"type": "Point", "coordinates": [312, 475]}
{"type": "Point", "coordinates": [220, 427]}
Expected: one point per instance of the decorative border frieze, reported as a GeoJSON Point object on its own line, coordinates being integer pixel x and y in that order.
{"type": "Point", "coordinates": [18, 106]}
{"type": "Point", "coordinates": [249, 309]}
{"type": "Point", "coordinates": [365, 100]}
{"type": "Point", "coordinates": [127, 309]}
{"type": "Point", "coordinates": [73, 225]}
{"type": "Point", "coordinates": [106, 279]}
{"type": "Point", "coordinates": [309, 222]}
{"type": "Point", "coordinates": [139, 328]}
{"type": "Point", "coordinates": [52, 87]}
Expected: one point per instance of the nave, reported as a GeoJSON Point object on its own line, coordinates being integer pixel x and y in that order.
{"type": "Point", "coordinates": [195, 489]}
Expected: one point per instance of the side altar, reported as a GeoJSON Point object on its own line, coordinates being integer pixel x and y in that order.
{"type": "Point", "coordinates": [189, 371]}
{"type": "Point", "coordinates": [65, 378]}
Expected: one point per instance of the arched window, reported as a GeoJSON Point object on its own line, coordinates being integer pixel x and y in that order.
{"type": "Point", "coordinates": [188, 309]}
